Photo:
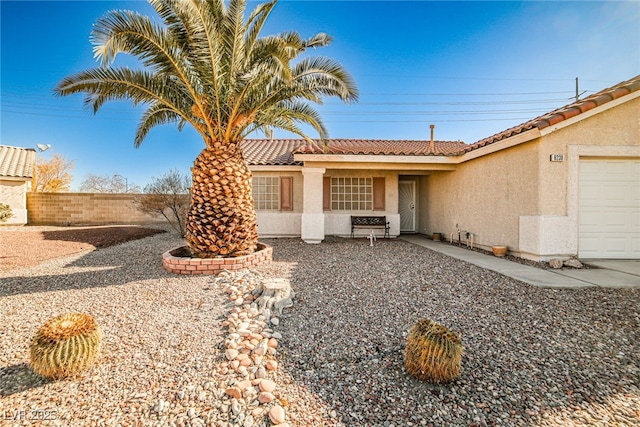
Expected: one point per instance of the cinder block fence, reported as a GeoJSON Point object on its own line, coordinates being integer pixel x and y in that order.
{"type": "Point", "coordinates": [85, 209]}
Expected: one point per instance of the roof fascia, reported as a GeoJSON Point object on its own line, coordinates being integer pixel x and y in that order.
{"type": "Point", "coordinates": [15, 178]}
{"type": "Point", "coordinates": [512, 141]}
{"type": "Point", "coordinates": [413, 167]}
{"type": "Point", "coordinates": [590, 113]}
{"type": "Point", "coordinates": [275, 168]}
{"type": "Point", "coordinates": [370, 158]}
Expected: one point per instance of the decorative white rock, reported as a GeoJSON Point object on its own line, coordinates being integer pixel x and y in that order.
{"type": "Point", "coordinates": [265, 397]}
{"type": "Point", "coordinates": [276, 414]}
{"type": "Point", "coordinates": [267, 385]}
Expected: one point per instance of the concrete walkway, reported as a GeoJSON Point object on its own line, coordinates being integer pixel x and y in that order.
{"type": "Point", "coordinates": [608, 274]}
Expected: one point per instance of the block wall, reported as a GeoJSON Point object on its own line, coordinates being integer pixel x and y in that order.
{"type": "Point", "coordinates": [85, 209]}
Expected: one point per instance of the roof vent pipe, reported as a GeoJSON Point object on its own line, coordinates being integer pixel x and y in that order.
{"type": "Point", "coordinates": [271, 134]}
{"type": "Point", "coordinates": [432, 147]}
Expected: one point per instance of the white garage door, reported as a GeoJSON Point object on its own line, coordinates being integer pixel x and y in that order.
{"type": "Point", "coordinates": [609, 216]}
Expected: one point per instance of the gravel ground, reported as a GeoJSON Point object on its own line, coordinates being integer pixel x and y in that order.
{"type": "Point", "coordinates": [532, 356]}
{"type": "Point", "coordinates": [27, 246]}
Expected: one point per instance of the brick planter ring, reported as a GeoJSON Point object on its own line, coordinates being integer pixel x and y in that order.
{"type": "Point", "coordinates": [189, 265]}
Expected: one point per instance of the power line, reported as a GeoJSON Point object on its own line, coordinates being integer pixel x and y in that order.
{"type": "Point", "coordinates": [96, 117]}
{"type": "Point", "coordinates": [429, 120]}
{"type": "Point", "coordinates": [467, 94]}
{"type": "Point", "coordinates": [365, 113]}
{"type": "Point", "coordinates": [521, 119]}
{"type": "Point", "coordinates": [497, 102]}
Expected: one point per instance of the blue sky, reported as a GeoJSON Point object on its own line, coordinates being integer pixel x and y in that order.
{"type": "Point", "coordinates": [470, 68]}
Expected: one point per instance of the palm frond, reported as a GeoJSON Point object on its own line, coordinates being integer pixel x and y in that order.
{"type": "Point", "coordinates": [156, 114]}
{"type": "Point", "coordinates": [327, 76]}
{"type": "Point", "coordinates": [204, 64]}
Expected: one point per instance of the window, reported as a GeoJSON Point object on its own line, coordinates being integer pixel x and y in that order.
{"type": "Point", "coordinates": [351, 194]}
{"type": "Point", "coordinates": [272, 193]}
{"type": "Point", "coordinates": [266, 192]}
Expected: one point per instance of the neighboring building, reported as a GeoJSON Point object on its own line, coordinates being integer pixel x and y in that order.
{"type": "Point", "coordinates": [17, 166]}
{"type": "Point", "coordinates": [564, 184]}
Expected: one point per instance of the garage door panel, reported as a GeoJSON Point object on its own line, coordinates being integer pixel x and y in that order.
{"type": "Point", "coordinates": [589, 245]}
{"type": "Point", "coordinates": [615, 168]}
{"type": "Point", "coordinates": [591, 194]}
{"type": "Point", "coordinates": [590, 219]}
{"type": "Point", "coordinates": [617, 194]}
{"type": "Point", "coordinates": [609, 209]}
{"type": "Point", "coordinates": [589, 171]}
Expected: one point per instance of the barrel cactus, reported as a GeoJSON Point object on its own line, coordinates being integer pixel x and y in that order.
{"type": "Point", "coordinates": [433, 352]}
{"type": "Point", "coordinates": [66, 345]}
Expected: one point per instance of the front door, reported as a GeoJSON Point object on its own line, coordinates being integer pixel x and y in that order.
{"type": "Point", "coordinates": [407, 206]}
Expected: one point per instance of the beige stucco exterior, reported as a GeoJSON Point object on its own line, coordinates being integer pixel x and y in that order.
{"type": "Point", "coordinates": [338, 223]}
{"type": "Point", "coordinates": [518, 197]}
{"type": "Point", "coordinates": [282, 223]}
{"type": "Point", "coordinates": [13, 192]}
{"type": "Point", "coordinates": [505, 193]}
{"type": "Point", "coordinates": [484, 196]}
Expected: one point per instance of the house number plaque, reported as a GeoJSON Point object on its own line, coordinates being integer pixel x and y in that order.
{"type": "Point", "coordinates": [557, 157]}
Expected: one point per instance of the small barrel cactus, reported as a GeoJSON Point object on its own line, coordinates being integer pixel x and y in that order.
{"type": "Point", "coordinates": [66, 345]}
{"type": "Point", "coordinates": [433, 352]}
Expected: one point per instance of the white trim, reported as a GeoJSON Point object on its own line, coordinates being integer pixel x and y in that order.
{"type": "Point", "coordinates": [575, 153]}
{"type": "Point", "coordinates": [512, 141]}
{"type": "Point", "coordinates": [312, 219]}
{"type": "Point", "coordinates": [15, 178]}
{"type": "Point", "coordinates": [275, 168]}
{"type": "Point", "coordinates": [583, 116]}
{"type": "Point", "coordinates": [415, 168]}
{"type": "Point", "coordinates": [372, 158]}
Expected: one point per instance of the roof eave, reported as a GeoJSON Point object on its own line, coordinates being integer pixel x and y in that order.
{"type": "Point", "coordinates": [374, 158]}
{"type": "Point", "coordinates": [15, 178]}
{"type": "Point", "coordinates": [535, 133]}
{"type": "Point", "coordinates": [509, 142]}
{"type": "Point", "coordinates": [589, 113]}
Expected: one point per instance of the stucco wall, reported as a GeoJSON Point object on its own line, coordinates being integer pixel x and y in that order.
{"type": "Point", "coordinates": [422, 189]}
{"type": "Point", "coordinates": [338, 223]}
{"type": "Point", "coordinates": [297, 187]}
{"type": "Point", "coordinates": [14, 194]}
{"type": "Point", "coordinates": [616, 127]}
{"type": "Point", "coordinates": [485, 196]}
{"type": "Point", "coordinates": [518, 197]}
{"type": "Point", "coordinates": [273, 223]}
{"type": "Point", "coordinates": [612, 133]}
{"type": "Point", "coordinates": [85, 209]}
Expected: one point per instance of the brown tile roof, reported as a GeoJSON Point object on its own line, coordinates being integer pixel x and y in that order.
{"type": "Point", "coordinates": [563, 113]}
{"type": "Point", "coordinates": [280, 151]}
{"type": "Point", "coordinates": [16, 162]}
{"type": "Point", "coordinates": [383, 147]}
{"type": "Point", "coordinates": [271, 152]}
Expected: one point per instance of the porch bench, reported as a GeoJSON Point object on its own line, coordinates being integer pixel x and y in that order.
{"type": "Point", "coordinates": [370, 222]}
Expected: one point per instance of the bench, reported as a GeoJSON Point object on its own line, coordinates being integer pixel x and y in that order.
{"type": "Point", "coordinates": [370, 222]}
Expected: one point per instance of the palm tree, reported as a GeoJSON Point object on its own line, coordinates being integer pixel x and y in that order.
{"type": "Point", "coordinates": [208, 66]}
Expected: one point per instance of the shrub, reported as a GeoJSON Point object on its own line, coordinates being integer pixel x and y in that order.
{"type": "Point", "coordinates": [167, 196]}
{"type": "Point", "coordinates": [5, 212]}
{"type": "Point", "coordinates": [433, 352]}
{"type": "Point", "coordinates": [66, 345]}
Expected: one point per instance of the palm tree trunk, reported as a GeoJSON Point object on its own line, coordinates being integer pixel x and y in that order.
{"type": "Point", "coordinates": [222, 218]}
